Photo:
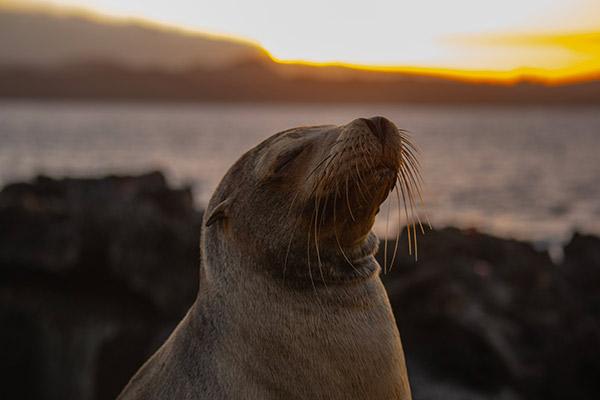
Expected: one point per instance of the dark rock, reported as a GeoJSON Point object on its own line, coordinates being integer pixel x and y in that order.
{"type": "Point", "coordinates": [490, 314]}
{"type": "Point", "coordinates": [94, 273]}
{"type": "Point", "coordinates": [117, 228]}
{"type": "Point", "coordinates": [576, 354]}
{"type": "Point", "coordinates": [581, 268]}
{"type": "Point", "coordinates": [21, 356]}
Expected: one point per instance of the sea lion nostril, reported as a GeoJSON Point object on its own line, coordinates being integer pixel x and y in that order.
{"type": "Point", "coordinates": [370, 125]}
{"type": "Point", "coordinates": [378, 126]}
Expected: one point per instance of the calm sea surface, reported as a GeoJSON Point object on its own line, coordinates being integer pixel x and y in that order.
{"type": "Point", "coordinates": [530, 173]}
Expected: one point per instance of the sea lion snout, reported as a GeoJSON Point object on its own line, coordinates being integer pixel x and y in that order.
{"type": "Point", "coordinates": [353, 169]}
{"type": "Point", "coordinates": [379, 137]}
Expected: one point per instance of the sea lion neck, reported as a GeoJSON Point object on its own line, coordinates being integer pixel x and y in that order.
{"type": "Point", "coordinates": [228, 292]}
{"type": "Point", "coordinates": [226, 270]}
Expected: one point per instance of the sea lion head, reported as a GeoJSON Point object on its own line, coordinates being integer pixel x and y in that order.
{"type": "Point", "coordinates": [301, 204]}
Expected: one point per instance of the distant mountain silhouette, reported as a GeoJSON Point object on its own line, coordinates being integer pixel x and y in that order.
{"type": "Point", "coordinates": [42, 39]}
{"type": "Point", "coordinates": [260, 82]}
{"type": "Point", "coordinates": [50, 56]}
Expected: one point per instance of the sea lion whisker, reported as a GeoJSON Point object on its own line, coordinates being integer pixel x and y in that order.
{"type": "Point", "coordinates": [411, 198]}
{"type": "Point", "coordinates": [409, 156]}
{"type": "Point", "coordinates": [407, 152]}
{"type": "Point", "coordinates": [296, 223]}
{"type": "Point", "coordinates": [318, 165]}
{"type": "Point", "coordinates": [315, 187]}
{"type": "Point", "coordinates": [414, 163]}
{"type": "Point", "coordinates": [423, 205]}
{"type": "Point", "coordinates": [362, 153]}
{"type": "Point", "coordinates": [413, 149]}
{"type": "Point", "coordinates": [365, 149]}
{"type": "Point", "coordinates": [337, 239]}
{"type": "Point", "coordinates": [372, 168]}
{"type": "Point", "coordinates": [385, 243]}
{"type": "Point", "coordinates": [412, 209]}
{"type": "Point", "coordinates": [324, 213]}
{"type": "Point", "coordinates": [410, 173]}
{"type": "Point", "coordinates": [417, 185]}
{"type": "Point", "coordinates": [397, 228]}
{"type": "Point", "coordinates": [348, 201]}
{"type": "Point", "coordinates": [336, 153]}
{"type": "Point", "coordinates": [405, 213]}
{"type": "Point", "coordinates": [325, 174]}
{"type": "Point", "coordinates": [416, 179]}
{"type": "Point", "coordinates": [292, 203]}
{"type": "Point", "coordinates": [322, 178]}
{"type": "Point", "coordinates": [317, 240]}
{"type": "Point", "coordinates": [333, 171]}
{"type": "Point", "coordinates": [412, 187]}
{"type": "Point", "coordinates": [415, 241]}
{"type": "Point", "coordinates": [312, 282]}
{"type": "Point", "coordinates": [369, 192]}
{"type": "Point", "coordinates": [408, 145]}
{"type": "Point", "coordinates": [370, 165]}
{"type": "Point", "coordinates": [407, 138]}
{"type": "Point", "coordinates": [358, 183]}
{"type": "Point", "coordinates": [409, 190]}
{"type": "Point", "coordinates": [326, 171]}
{"type": "Point", "coordinates": [410, 183]}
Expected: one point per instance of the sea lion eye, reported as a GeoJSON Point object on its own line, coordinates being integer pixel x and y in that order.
{"type": "Point", "coordinates": [286, 158]}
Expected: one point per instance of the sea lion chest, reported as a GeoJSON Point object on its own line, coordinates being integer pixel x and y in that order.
{"type": "Point", "coordinates": [334, 344]}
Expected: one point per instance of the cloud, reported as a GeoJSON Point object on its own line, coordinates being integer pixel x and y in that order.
{"type": "Point", "coordinates": [558, 55]}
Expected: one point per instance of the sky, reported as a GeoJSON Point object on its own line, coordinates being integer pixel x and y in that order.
{"type": "Point", "coordinates": [545, 37]}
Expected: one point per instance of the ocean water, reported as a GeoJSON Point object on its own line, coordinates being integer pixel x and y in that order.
{"type": "Point", "coordinates": [526, 172]}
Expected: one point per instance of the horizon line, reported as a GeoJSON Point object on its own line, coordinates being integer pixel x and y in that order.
{"type": "Point", "coordinates": [500, 77]}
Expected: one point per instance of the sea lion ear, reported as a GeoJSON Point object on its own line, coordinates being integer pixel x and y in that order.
{"type": "Point", "coordinates": [219, 212]}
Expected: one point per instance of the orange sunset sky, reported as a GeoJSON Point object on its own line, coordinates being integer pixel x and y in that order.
{"type": "Point", "coordinates": [546, 39]}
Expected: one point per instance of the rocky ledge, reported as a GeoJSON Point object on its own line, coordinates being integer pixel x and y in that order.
{"type": "Point", "coordinates": [94, 274]}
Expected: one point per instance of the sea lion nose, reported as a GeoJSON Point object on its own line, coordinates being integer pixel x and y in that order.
{"type": "Point", "coordinates": [379, 126]}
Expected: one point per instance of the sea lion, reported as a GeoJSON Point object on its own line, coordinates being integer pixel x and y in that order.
{"type": "Point", "coordinates": [290, 304]}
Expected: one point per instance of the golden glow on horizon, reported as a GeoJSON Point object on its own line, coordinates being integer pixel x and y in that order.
{"type": "Point", "coordinates": [546, 40]}
{"type": "Point", "coordinates": [550, 77]}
